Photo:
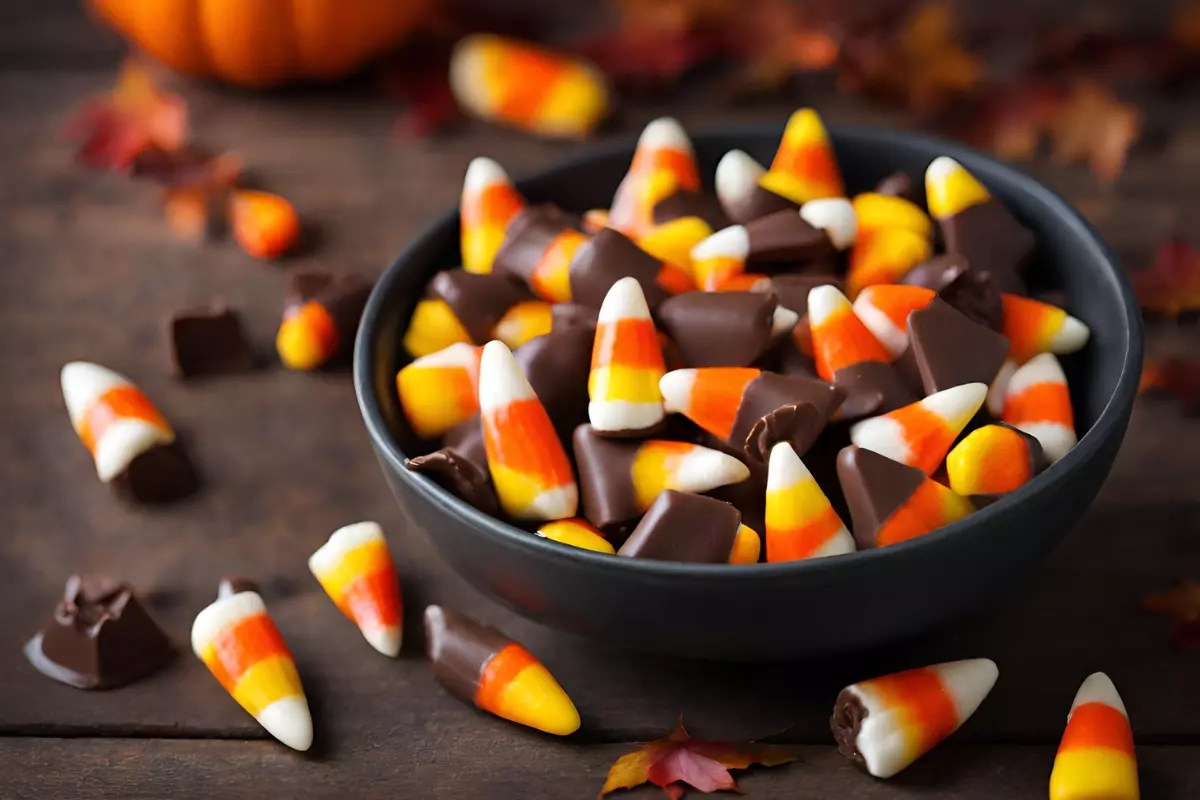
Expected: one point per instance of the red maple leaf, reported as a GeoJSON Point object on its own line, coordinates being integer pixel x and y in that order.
{"type": "Point", "coordinates": [1176, 376]}
{"type": "Point", "coordinates": [678, 759]}
{"type": "Point", "coordinates": [1180, 602]}
{"type": "Point", "coordinates": [1172, 285]}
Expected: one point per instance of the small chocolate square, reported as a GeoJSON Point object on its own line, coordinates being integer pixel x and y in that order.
{"type": "Point", "coordinates": [208, 341]}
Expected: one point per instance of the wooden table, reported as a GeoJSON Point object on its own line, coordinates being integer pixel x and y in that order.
{"type": "Point", "coordinates": [88, 271]}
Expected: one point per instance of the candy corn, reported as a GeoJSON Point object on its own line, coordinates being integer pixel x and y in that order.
{"type": "Point", "coordinates": [627, 363]}
{"type": "Point", "coordinates": [529, 467]}
{"type": "Point", "coordinates": [804, 167]}
{"type": "Point", "coordinates": [835, 216]}
{"type": "Point", "coordinates": [920, 434]}
{"type": "Point", "coordinates": [747, 546]}
{"type": "Point", "coordinates": [433, 328]}
{"type": "Point", "coordinates": [577, 533]}
{"type": "Point", "coordinates": [884, 310]}
{"type": "Point", "coordinates": [839, 337]}
{"type": "Point", "coordinates": [1096, 759]}
{"type": "Point", "coordinates": [355, 569]}
{"type": "Point", "coordinates": [993, 460]}
{"type": "Point", "coordinates": [439, 391]}
{"type": "Point", "coordinates": [320, 318]}
{"type": "Point", "coordinates": [265, 225]}
{"type": "Point", "coordinates": [877, 211]}
{"type": "Point", "coordinates": [1037, 401]}
{"type": "Point", "coordinates": [800, 521]}
{"type": "Point", "coordinates": [489, 202]}
{"type": "Point", "coordinates": [1034, 327]}
{"type": "Point", "coordinates": [524, 321]}
{"type": "Point", "coordinates": [738, 189]}
{"type": "Point", "coordinates": [484, 667]}
{"type": "Point", "coordinates": [515, 83]}
{"type": "Point", "coordinates": [720, 257]}
{"type": "Point", "coordinates": [113, 419]}
{"type": "Point", "coordinates": [240, 645]}
{"type": "Point", "coordinates": [663, 164]}
{"type": "Point", "coordinates": [884, 724]}
{"type": "Point", "coordinates": [594, 220]}
{"type": "Point", "coordinates": [950, 189]}
{"type": "Point", "coordinates": [885, 256]}
{"type": "Point", "coordinates": [673, 241]}
{"type": "Point", "coordinates": [998, 389]}
{"type": "Point", "coordinates": [539, 245]}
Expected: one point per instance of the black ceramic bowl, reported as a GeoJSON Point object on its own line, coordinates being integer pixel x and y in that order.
{"type": "Point", "coordinates": [802, 609]}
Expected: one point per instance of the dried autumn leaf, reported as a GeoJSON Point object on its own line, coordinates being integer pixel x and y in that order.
{"type": "Point", "coordinates": [134, 116]}
{"type": "Point", "coordinates": [1176, 376]}
{"type": "Point", "coordinates": [1172, 284]}
{"type": "Point", "coordinates": [1011, 121]}
{"type": "Point", "coordinates": [1092, 124]}
{"type": "Point", "coordinates": [1180, 602]}
{"type": "Point", "coordinates": [777, 39]}
{"type": "Point", "coordinates": [935, 64]}
{"type": "Point", "coordinates": [703, 765]}
{"type": "Point", "coordinates": [647, 59]}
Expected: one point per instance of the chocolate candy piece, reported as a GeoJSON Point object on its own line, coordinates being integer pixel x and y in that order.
{"type": "Point", "coordinates": [685, 527]}
{"type": "Point", "coordinates": [875, 487]}
{"type": "Point", "coordinates": [771, 395]}
{"type": "Point", "coordinates": [604, 260]}
{"type": "Point", "coordinates": [208, 341]}
{"type": "Point", "coordinates": [796, 424]}
{"type": "Point", "coordinates": [792, 288]}
{"type": "Point", "coordinates": [557, 366]}
{"type": "Point", "coordinates": [898, 184]}
{"type": "Point", "coordinates": [159, 475]}
{"type": "Point", "coordinates": [458, 649]}
{"type": "Point", "coordinates": [478, 300]}
{"type": "Point", "coordinates": [343, 295]}
{"type": "Point", "coordinates": [846, 723]}
{"type": "Point", "coordinates": [527, 237]}
{"type": "Point", "coordinates": [871, 387]}
{"type": "Point", "coordinates": [99, 638]}
{"type": "Point", "coordinates": [741, 195]}
{"type": "Point", "coordinates": [783, 237]}
{"type": "Point", "coordinates": [460, 466]}
{"type": "Point", "coordinates": [691, 204]}
{"type": "Point", "coordinates": [719, 329]}
{"type": "Point", "coordinates": [992, 240]}
{"type": "Point", "coordinates": [949, 350]}
{"type": "Point", "coordinates": [236, 584]}
{"type": "Point", "coordinates": [564, 315]}
{"type": "Point", "coordinates": [970, 291]}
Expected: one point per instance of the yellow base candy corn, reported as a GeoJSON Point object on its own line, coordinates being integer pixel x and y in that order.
{"type": "Point", "coordinates": [489, 202]}
{"type": "Point", "coordinates": [1096, 759]}
{"type": "Point", "coordinates": [440, 390]}
{"type": "Point", "coordinates": [577, 533]}
{"type": "Point", "coordinates": [355, 569]}
{"type": "Point", "coordinates": [433, 327]}
{"type": "Point", "coordinates": [804, 167]}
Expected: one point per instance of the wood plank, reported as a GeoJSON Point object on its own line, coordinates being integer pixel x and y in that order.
{"type": "Point", "coordinates": [497, 762]}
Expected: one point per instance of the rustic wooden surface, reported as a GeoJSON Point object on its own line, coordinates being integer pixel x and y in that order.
{"type": "Point", "coordinates": [89, 271]}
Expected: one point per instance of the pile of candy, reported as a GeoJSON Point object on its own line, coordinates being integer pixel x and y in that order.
{"type": "Point", "coordinates": [689, 369]}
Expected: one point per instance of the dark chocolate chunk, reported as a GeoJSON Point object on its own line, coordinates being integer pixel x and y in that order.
{"type": "Point", "coordinates": [757, 203]}
{"type": "Point", "coordinates": [789, 360]}
{"type": "Point", "coordinates": [208, 341]}
{"type": "Point", "coordinates": [949, 350]}
{"type": "Point", "coordinates": [526, 239]}
{"type": "Point", "coordinates": [458, 649]}
{"type": "Point", "coordinates": [557, 366]}
{"type": "Point", "coordinates": [846, 723]}
{"type": "Point", "coordinates": [606, 491]}
{"type": "Point", "coordinates": [565, 315]}
{"type": "Point", "coordinates": [783, 237]}
{"type": "Point", "coordinates": [792, 288]}
{"type": "Point", "coordinates": [342, 294]}
{"type": "Point", "coordinates": [799, 425]}
{"type": "Point", "coordinates": [479, 301]}
{"type": "Point", "coordinates": [161, 474]}
{"type": "Point", "coordinates": [466, 438]}
{"type": "Point", "coordinates": [719, 329]}
{"type": "Point", "coordinates": [235, 584]}
{"type": "Point", "coordinates": [770, 392]}
{"type": "Point", "coordinates": [604, 260]}
{"type": "Point", "coordinates": [99, 638]}
{"type": "Point", "coordinates": [685, 527]}
{"type": "Point", "coordinates": [1037, 463]}
{"type": "Point", "coordinates": [691, 204]}
{"type": "Point", "coordinates": [898, 184]}
{"type": "Point", "coordinates": [459, 475]}
{"type": "Point", "coordinates": [936, 273]}
{"type": "Point", "coordinates": [971, 291]}
{"type": "Point", "coordinates": [992, 240]}
{"type": "Point", "coordinates": [874, 486]}
{"type": "Point", "coordinates": [871, 387]}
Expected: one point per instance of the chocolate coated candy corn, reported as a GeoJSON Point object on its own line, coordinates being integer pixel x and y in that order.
{"type": "Point", "coordinates": [884, 724]}
{"type": "Point", "coordinates": [804, 167]}
{"type": "Point", "coordinates": [920, 434]}
{"type": "Point", "coordinates": [992, 461]}
{"type": "Point", "coordinates": [484, 667]}
{"type": "Point", "coordinates": [685, 527]}
{"type": "Point", "coordinates": [439, 391]}
{"type": "Point", "coordinates": [784, 237]}
{"type": "Point", "coordinates": [891, 502]}
{"type": "Point", "coordinates": [460, 466]}
{"type": "Point", "coordinates": [619, 480]}
{"type": "Point", "coordinates": [519, 84]}
{"type": "Point", "coordinates": [355, 569]}
{"type": "Point", "coordinates": [1096, 759]}
{"type": "Point", "coordinates": [320, 317]}
{"type": "Point", "coordinates": [884, 310]}
{"type": "Point", "coordinates": [538, 247]}
{"type": "Point", "coordinates": [240, 645]}
{"type": "Point", "coordinates": [724, 329]}
{"type": "Point", "coordinates": [557, 366]}
{"type": "Point", "coordinates": [529, 467]}
{"type": "Point", "coordinates": [835, 216]}
{"type": "Point", "coordinates": [800, 521]}
{"type": "Point", "coordinates": [610, 256]}
{"type": "Point", "coordinates": [971, 292]}
{"type": "Point", "coordinates": [663, 164]}
{"type": "Point", "coordinates": [949, 349]}
{"type": "Point", "coordinates": [739, 190]}
{"type": "Point", "coordinates": [577, 533]}
{"type": "Point", "coordinates": [1034, 327]}
{"type": "Point", "coordinates": [489, 202]}
{"type": "Point", "coordinates": [1037, 401]}
{"type": "Point", "coordinates": [627, 364]}
{"type": "Point", "coordinates": [672, 242]}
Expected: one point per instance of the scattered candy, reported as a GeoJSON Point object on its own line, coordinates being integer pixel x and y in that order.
{"type": "Point", "coordinates": [577, 533]}
{"type": "Point", "coordinates": [320, 317]}
{"type": "Point", "coordinates": [724, 329]}
{"type": "Point", "coordinates": [208, 341]}
{"type": "Point", "coordinates": [482, 666]}
{"type": "Point", "coordinates": [1037, 401]}
{"type": "Point", "coordinates": [355, 569]}
{"type": "Point", "coordinates": [741, 194]}
{"type": "Point", "coordinates": [948, 349]}
{"type": "Point", "coordinates": [240, 645]}
{"type": "Point", "coordinates": [1034, 327]}
{"type": "Point", "coordinates": [264, 225]}
{"type": "Point", "coordinates": [100, 637]}
{"type": "Point", "coordinates": [515, 83]}
{"type": "Point", "coordinates": [685, 527]}
{"type": "Point", "coordinates": [800, 521]}
{"type": "Point", "coordinates": [1096, 758]}
{"type": "Point", "coordinates": [627, 364]}
{"type": "Point", "coordinates": [884, 311]}
{"type": "Point", "coordinates": [992, 461]}
{"type": "Point", "coordinates": [440, 390]}
{"type": "Point", "coordinates": [663, 164]}
{"type": "Point", "coordinates": [921, 434]}
{"type": "Point", "coordinates": [884, 724]}
{"type": "Point", "coordinates": [804, 167]}
{"type": "Point", "coordinates": [489, 202]}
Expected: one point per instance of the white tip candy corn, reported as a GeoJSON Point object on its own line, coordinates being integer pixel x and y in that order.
{"type": "Point", "coordinates": [835, 216]}
{"type": "Point", "coordinates": [355, 569]}
{"type": "Point", "coordinates": [627, 364]}
{"type": "Point", "coordinates": [1038, 402]}
{"type": "Point", "coordinates": [921, 434]}
{"type": "Point", "coordinates": [1096, 759]}
{"type": "Point", "coordinates": [800, 521]}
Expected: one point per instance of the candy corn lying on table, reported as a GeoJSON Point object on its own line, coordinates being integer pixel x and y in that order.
{"type": "Point", "coordinates": [785, 341]}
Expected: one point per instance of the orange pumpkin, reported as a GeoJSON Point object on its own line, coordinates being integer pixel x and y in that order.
{"type": "Point", "coordinates": [261, 43]}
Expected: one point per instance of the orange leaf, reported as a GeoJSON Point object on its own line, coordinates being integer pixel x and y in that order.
{"type": "Point", "coordinates": [1011, 122]}
{"type": "Point", "coordinates": [1181, 602]}
{"type": "Point", "coordinates": [265, 225]}
{"type": "Point", "coordinates": [680, 760]}
{"type": "Point", "coordinates": [935, 64]}
{"type": "Point", "coordinates": [1093, 125]}
{"type": "Point", "coordinates": [1172, 285]}
{"type": "Point", "coordinates": [1176, 376]}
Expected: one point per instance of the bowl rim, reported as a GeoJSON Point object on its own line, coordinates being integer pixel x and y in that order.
{"type": "Point", "coordinates": [980, 164]}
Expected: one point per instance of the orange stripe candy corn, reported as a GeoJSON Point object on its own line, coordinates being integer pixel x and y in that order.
{"type": "Point", "coordinates": [991, 461]}
{"type": "Point", "coordinates": [885, 256]}
{"type": "Point", "coordinates": [663, 164]}
{"type": "Point", "coordinates": [518, 84]}
{"type": "Point", "coordinates": [672, 242]}
{"type": "Point", "coordinates": [577, 533]}
{"type": "Point", "coordinates": [484, 667]}
{"type": "Point", "coordinates": [1034, 327]}
{"type": "Point", "coordinates": [747, 546]}
{"type": "Point", "coordinates": [884, 309]}
{"type": "Point", "coordinates": [433, 327]}
{"type": "Point", "coordinates": [524, 321]}
{"type": "Point", "coordinates": [884, 724]}
{"type": "Point", "coordinates": [720, 257]}
{"type": "Point", "coordinates": [529, 467]}
{"type": "Point", "coordinates": [878, 211]}
{"type": "Point", "coordinates": [115, 421]}
{"type": "Point", "coordinates": [627, 364]}
{"type": "Point", "coordinates": [441, 390]}
{"type": "Point", "coordinates": [739, 191]}
{"type": "Point", "coordinates": [355, 569]}
{"type": "Point", "coordinates": [839, 337]}
{"type": "Point", "coordinates": [489, 202]}
{"type": "Point", "coordinates": [921, 434]}
{"type": "Point", "coordinates": [1096, 759]}
{"type": "Point", "coordinates": [804, 167]}
{"type": "Point", "coordinates": [800, 521]}
{"type": "Point", "coordinates": [709, 396]}
{"type": "Point", "coordinates": [240, 645]}
{"type": "Point", "coordinates": [1038, 402]}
